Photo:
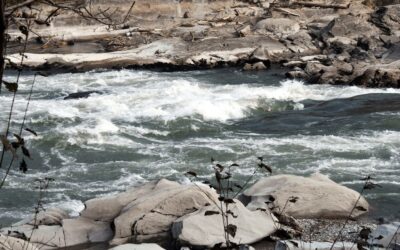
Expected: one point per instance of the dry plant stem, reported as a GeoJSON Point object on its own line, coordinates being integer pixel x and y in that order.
{"type": "Point", "coordinates": [394, 237]}
{"type": "Point", "coordinates": [347, 220]}
{"type": "Point", "coordinates": [246, 183]}
{"type": "Point", "coordinates": [43, 185]}
{"type": "Point", "coordinates": [27, 106]}
{"type": "Point", "coordinates": [2, 41]}
{"type": "Point", "coordinates": [223, 215]}
{"type": "Point", "coordinates": [10, 115]}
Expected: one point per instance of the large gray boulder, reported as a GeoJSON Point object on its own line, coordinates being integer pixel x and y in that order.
{"type": "Point", "coordinates": [197, 229]}
{"type": "Point", "coordinates": [318, 196]}
{"type": "Point", "coordinates": [149, 217]}
{"type": "Point", "coordinates": [108, 207]}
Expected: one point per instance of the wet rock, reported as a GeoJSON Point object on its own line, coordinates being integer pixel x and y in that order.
{"type": "Point", "coordinates": [149, 217]}
{"type": "Point", "coordinates": [296, 74]}
{"type": "Point", "coordinates": [318, 196]}
{"type": "Point", "coordinates": [196, 229]}
{"type": "Point", "coordinates": [137, 247]}
{"type": "Point", "coordinates": [79, 95]}
{"type": "Point", "coordinates": [254, 66]}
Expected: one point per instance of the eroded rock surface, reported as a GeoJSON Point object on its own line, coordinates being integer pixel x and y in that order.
{"type": "Point", "coordinates": [197, 229]}
{"type": "Point", "coordinates": [318, 197]}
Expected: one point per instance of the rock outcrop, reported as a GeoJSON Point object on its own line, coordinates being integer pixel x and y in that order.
{"type": "Point", "coordinates": [317, 197]}
{"type": "Point", "coordinates": [142, 214]}
{"type": "Point", "coordinates": [149, 217]}
{"type": "Point", "coordinates": [357, 37]}
{"type": "Point", "coordinates": [200, 229]}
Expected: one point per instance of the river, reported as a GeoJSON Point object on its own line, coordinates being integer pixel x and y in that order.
{"type": "Point", "coordinates": [145, 125]}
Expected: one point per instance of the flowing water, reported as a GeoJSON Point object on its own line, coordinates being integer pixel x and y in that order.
{"type": "Point", "coordinates": [148, 125]}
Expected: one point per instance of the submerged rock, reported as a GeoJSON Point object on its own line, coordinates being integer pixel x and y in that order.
{"type": "Point", "coordinates": [317, 196]}
{"type": "Point", "coordinates": [79, 95]}
{"type": "Point", "coordinates": [199, 229]}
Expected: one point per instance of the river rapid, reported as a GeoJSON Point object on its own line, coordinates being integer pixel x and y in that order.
{"type": "Point", "coordinates": [146, 125]}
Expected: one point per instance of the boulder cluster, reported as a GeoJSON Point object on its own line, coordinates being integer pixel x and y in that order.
{"type": "Point", "coordinates": [174, 215]}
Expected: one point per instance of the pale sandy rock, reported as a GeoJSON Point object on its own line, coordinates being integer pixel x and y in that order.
{"type": "Point", "coordinates": [51, 216]}
{"type": "Point", "coordinates": [318, 196]}
{"type": "Point", "coordinates": [197, 229]}
{"type": "Point", "coordinates": [11, 243]}
{"type": "Point", "coordinates": [109, 207]}
{"type": "Point", "coordinates": [150, 216]}
{"type": "Point", "coordinates": [138, 247]}
{"type": "Point", "coordinates": [81, 231]}
{"type": "Point", "coordinates": [272, 51]}
{"type": "Point", "coordinates": [245, 31]}
{"type": "Point", "coordinates": [46, 236]}
{"type": "Point", "coordinates": [143, 55]}
{"type": "Point", "coordinates": [284, 26]}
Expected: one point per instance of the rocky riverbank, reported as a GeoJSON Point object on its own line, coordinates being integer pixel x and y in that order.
{"type": "Point", "coordinates": [174, 215]}
{"type": "Point", "coordinates": [326, 41]}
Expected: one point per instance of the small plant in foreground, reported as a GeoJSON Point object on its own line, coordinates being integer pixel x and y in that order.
{"type": "Point", "coordinates": [368, 185]}
{"type": "Point", "coordinates": [228, 190]}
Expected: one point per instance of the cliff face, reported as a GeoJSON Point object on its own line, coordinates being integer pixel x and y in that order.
{"type": "Point", "coordinates": [322, 41]}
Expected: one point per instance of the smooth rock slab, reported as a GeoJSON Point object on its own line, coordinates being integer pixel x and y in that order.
{"type": "Point", "coordinates": [148, 218]}
{"type": "Point", "coordinates": [318, 196]}
{"type": "Point", "coordinates": [138, 247]}
{"type": "Point", "coordinates": [196, 229]}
